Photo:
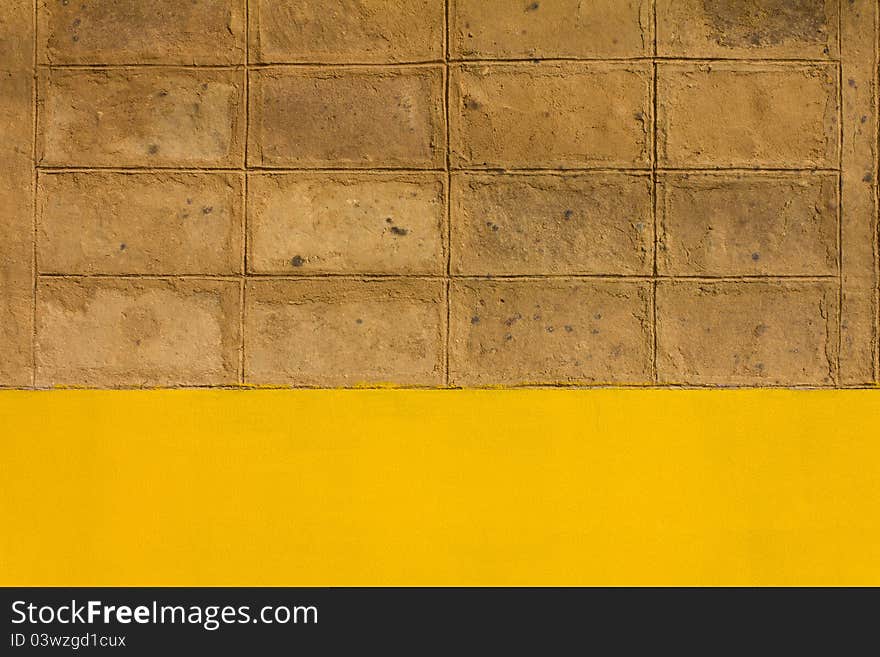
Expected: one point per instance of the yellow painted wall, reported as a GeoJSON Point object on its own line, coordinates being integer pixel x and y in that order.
{"type": "Point", "coordinates": [393, 487]}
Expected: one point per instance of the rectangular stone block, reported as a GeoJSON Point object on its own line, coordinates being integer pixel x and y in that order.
{"type": "Point", "coordinates": [748, 334]}
{"type": "Point", "coordinates": [16, 194]}
{"type": "Point", "coordinates": [859, 231]}
{"type": "Point", "coordinates": [748, 224]}
{"type": "Point", "coordinates": [545, 332]}
{"type": "Point", "coordinates": [344, 333]}
{"type": "Point", "coordinates": [805, 29]}
{"type": "Point", "coordinates": [347, 118]}
{"type": "Point", "coordinates": [593, 223]}
{"type": "Point", "coordinates": [151, 117]}
{"type": "Point", "coordinates": [158, 31]}
{"type": "Point", "coordinates": [140, 223]}
{"type": "Point", "coordinates": [339, 31]}
{"type": "Point", "coordinates": [501, 29]}
{"type": "Point", "coordinates": [560, 115]}
{"type": "Point", "coordinates": [17, 36]}
{"type": "Point", "coordinates": [360, 223]}
{"type": "Point", "coordinates": [128, 333]}
{"type": "Point", "coordinates": [729, 114]}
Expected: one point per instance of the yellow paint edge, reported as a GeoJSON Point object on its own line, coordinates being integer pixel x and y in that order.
{"type": "Point", "coordinates": [422, 487]}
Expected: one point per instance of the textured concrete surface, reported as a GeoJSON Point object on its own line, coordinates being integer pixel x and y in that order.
{"type": "Point", "coordinates": [438, 193]}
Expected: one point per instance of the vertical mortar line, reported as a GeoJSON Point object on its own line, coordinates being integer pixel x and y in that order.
{"type": "Point", "coordinates": [840, 269]}
{"type": "Point", "coordinates": [840, 146]}
{"type": "Point", "coordinates": [876, 125]}
{"type": "Point", "coordinates": [35, 183]}
{"type": "Point", "coordinates": [656, 245]}
{"type": "Point", "coordinates": [242, 291]}
{"type": "Point", "coordinates": [448, 195]}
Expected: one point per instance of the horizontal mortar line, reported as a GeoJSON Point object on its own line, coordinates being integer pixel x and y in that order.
{"type": "Point", "coordinates": [454, 170]}
{"type": "Point", "coordinates": [257, 387]}
{"type": "Point", "coordinates": [436, 63]}
{"type": "Point", "coordinates": [428, 63]}
{"type": "Point", "coordinates": [146, 65]}
{"type": "Point", "coordinates": [123, 169]}
{"type": "Point", "coordinates": [737, 170]}
{"type": "Point", "coordinates": [642, 170]}
{"type": "Point", "coordinates": [333, 170]}
{"type": "Point", "coordinates": [282, 276]}
{"type": "Point", "coordinates": [647, 386]}
{"type": "Point", "coordinates": [549, 172]}
{"type": "Point", "coordinates": [642, 60]}
{"type": "Point", "coordinates": [540, 277]}
{"type": "Point", "coordinates": [248, 169]}
{"type": "Point", "coordinates": [229, 278]}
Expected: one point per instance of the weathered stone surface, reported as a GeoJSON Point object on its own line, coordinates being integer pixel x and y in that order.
{"type": "Point", "coordinates": [748, 224]}
{"type": "Point", "coordinates": [347, 118]}
{"type": "Point", "coordinates": [373, 223]}
{"type": "Point", "coordinates": [563, 115]}
{"type": "Point", "coordinates": [16, 194]}
{"type": "Point", "coordinates": [344, 333]}
{"type": "Point", "coordinates": [345, 32]}
{"type": "Point", "coordinates": [489, 29]}
{"type": "Point", "coordinates": [158, 31]}
{"type": "Point", "coordinates": [747, 28]}
{"type": "Point", "coordinates": [140, 223]}
{"type": "Point", "coordinates": [754, 334]}
{"type": "Point", "coordinates": [124, 332]}
{"type": "Point", "coordinates": [594, 223]}
{"type": "Point", "coordinates": [150, 117]}
{"type": "Point", "coordinates": [551, 331]}
{"type": "Point", "coordinates": [729, 114]}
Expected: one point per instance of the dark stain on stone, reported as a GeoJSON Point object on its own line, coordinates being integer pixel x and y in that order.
{"type": "Point", "coordinates": [569, 214]}
{"type": "Point", "coordinates": [122, 247]}
{"type": "Point", "coordinates": [569, 328]}
{"type": "Point", "coordinates": [471, 104]}
{"type": "Point", "coordinates": [297, 261]}
{"type": "Point", "coordinates": [153, 149]}
{"type": "Point", "coordinates": [399, 231]}
{"type": "Point", "coordinates": [207, 210]}
{"type": "Point", "coordinates": [494, 227]}
{"type": "Point", "coordinates": [358, 321]}
{"type": "Point", "coordinates": [737, 23]}
{"type": "Point", "coordinates": [868, 177]}
{"type": "Point", "coordinates": [475, 320]}
{"type": "Point", "coordinates": [533, 7]}
{"type": "Point", "coordinates": [851, 83]}
{"type": "Point", "coordinates": [756, 257]}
